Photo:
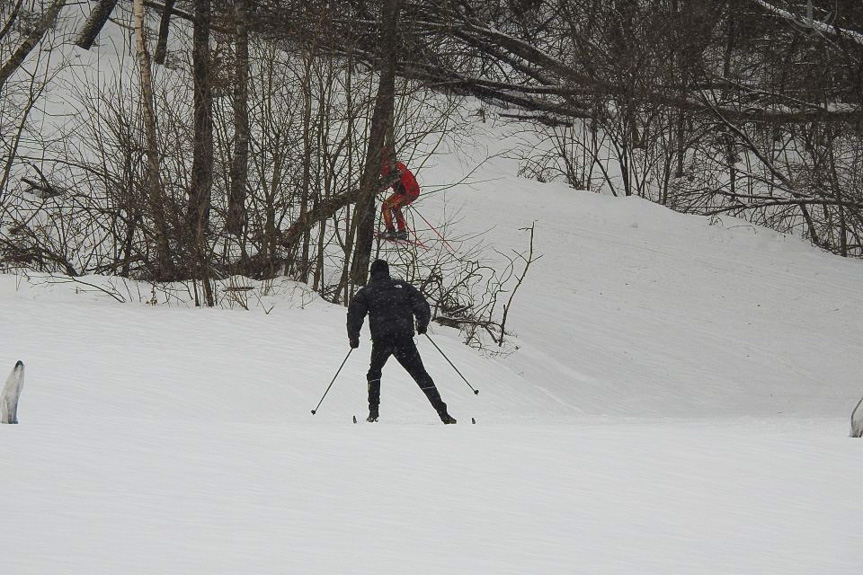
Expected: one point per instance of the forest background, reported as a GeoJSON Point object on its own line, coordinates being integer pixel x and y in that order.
{"type": "Point", "coordinates": [244, 138]}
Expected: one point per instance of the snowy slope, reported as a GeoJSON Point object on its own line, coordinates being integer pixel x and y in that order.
{"type": "Point", "coordinates": [637, 310]}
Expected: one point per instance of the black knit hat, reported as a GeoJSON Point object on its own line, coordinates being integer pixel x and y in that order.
{"type": "Point", "coordinates": [380, 267]}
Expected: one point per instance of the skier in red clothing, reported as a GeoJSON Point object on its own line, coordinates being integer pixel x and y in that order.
{"type": "Point", "coordinates": [406, 190]}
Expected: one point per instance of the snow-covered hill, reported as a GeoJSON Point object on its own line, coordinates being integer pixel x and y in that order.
{"type": "Point", "coordinates": [637, 310]}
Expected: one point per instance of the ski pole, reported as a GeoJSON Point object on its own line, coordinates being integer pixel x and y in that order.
{"type": "Point", "coordinates": [475, 391]}
{"type": "Point", "coordinates": [315, 410]}
{"type": "Point", "coordinates": [416, 211]}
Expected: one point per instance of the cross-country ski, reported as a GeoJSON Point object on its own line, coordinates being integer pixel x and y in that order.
{"type": "Point", "coordinates": [857, 420]}
{"type": "Point", "coordinates": [11, 394]}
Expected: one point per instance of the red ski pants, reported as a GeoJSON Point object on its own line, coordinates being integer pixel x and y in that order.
{"type": "Point", "coordinates": [392, 206]}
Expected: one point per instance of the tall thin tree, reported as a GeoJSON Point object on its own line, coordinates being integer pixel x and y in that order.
{"type": "Point", "coordinates": [382, 118]}
{"type": "Point", "coordinates": [164, 29]}
{"type": "Point", "coordinates": [153, 187]}
{"type": "Point", "coordinates": [240, 161]}
{"type": "Point", "coordinates": [200, 187]}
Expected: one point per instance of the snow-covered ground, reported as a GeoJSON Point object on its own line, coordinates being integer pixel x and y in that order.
{"type": "Point", "coordinates": [678, 403]}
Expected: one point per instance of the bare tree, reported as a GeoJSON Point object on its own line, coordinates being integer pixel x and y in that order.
{"type": "Point", "coordinates": [164, 29]}
{"type": "Point", "coordinates": [30, 40]}
{"type": "Point", "coordinates": [236, 220]}
{"type": "Point", "coordinates": [200, 186]}
{"type": "Point", "coordinates": [380, 125]}
{"type": "Point", "coordinates": [94, 23]}
{"type": "Point", "coordinates": [164, 266]}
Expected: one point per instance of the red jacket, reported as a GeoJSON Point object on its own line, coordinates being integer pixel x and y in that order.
{"type": "Point", "coordinates": [408, 181]}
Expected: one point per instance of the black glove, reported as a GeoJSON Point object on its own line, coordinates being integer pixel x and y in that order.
{"type": "Point", "coordinates": [421, 329]}
{"type": "Point", "coordinates": [355, 342]}
{"type": "Point", "coordinates": [385, 182]}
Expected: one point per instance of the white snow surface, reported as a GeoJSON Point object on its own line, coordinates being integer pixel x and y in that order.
{"type": "Point", "coordinates": [678, 402]}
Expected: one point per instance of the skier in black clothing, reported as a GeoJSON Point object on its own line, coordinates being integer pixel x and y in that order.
{"type": "Point", "coordinates": [391, 306]}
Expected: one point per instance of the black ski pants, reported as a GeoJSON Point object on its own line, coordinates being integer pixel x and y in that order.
{"type": "Point", "coordinates": [405, 351]}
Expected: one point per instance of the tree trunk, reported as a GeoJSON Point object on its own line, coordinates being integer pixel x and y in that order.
{"type": "Point", "coordinates": [13, 15]}
{"type": "Point", "coordinates": [46, 22]}
{"type": "Point", "coordinates": [381, 120]}
{"type": "Point", "coordinates": [164, 28]}
{"type": "Point", "coordinates": [202, 147]}
{"type": "Point", "coordinates": [94, 24]}
{"type": "Point", "coordinates": [323, 174]}
{"type": "Point", "coordinates": [240, 163]}
{"type": "Point", "coordinates": [350, 227]}
{"type": "Point", "coordinates": [305, 189]}
{"type": "Point", "coordinates": [153, 186]}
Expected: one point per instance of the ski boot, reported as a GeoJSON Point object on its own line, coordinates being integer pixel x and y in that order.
{"type": "Point", "coordinates": [447, 418]}
{"type": "Point", "coordinates": [373, 415]}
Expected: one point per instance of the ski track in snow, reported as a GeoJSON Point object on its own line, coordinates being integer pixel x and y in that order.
{"type": "Point", "coordinates": [610, 497]}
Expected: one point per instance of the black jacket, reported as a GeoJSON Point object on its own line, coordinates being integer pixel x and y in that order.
{"type": "Point", "coordinates": [391, 306]}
